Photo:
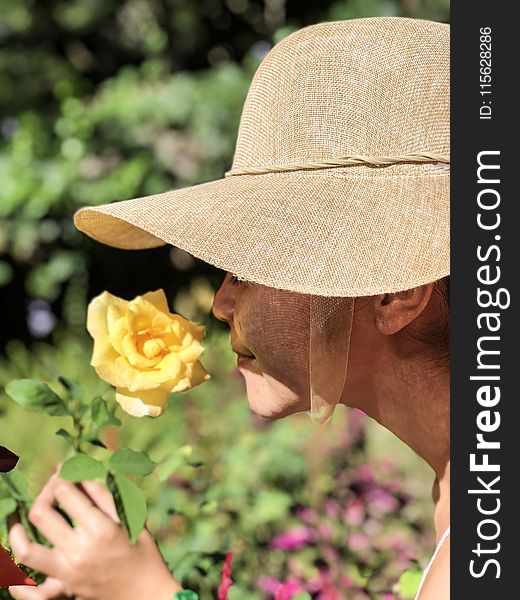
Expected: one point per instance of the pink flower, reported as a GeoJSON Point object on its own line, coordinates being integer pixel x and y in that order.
{"type": "Point", "coordinates": [225, 578]}
{"type": "Point", "coordinates": [358, 541]}
{"type": "Point", "coordinates": [381, 502]}
{"type": "Point", "coordinates": [292, 539]}
{"type": "Point", "coordinates": [306, 514]}
{"type": "Point", "coordinates": [355, 511]}
{"type": "Point", "coordinates": [268, 584]}
{"type": "Point", "coordinates": [287, 590]}
{"type": "Point", "coordinates": [332, 508]}
{"type": "Point", "coordinates": [346, 581]}
{"type": "Point", "coordinates": [328, 591]}
{"type": "Point", "coordinates": [325, 531]}
{"type": "Point", "coordinates": [364, 474]}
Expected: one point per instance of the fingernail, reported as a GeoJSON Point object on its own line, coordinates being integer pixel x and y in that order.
{"type": "Point", "coordinates": [57, 468]}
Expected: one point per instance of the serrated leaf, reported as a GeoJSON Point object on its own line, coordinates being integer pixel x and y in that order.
{"type": "Point", "coordinates": [36, 396]}
{"type": "Point", "coordinates": [131, 462]}
{"type": "Point", "coordinates": [130, 503]}
{"type": "Point", "coordinates": [409, 582]}
{"type": "Point", "coordinates": [81, 467]}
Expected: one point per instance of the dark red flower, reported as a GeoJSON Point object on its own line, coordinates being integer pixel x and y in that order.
{"type": "Point", "coordinates": [8, 460]}
{"type": "Point", "coordinates": [10, 573]}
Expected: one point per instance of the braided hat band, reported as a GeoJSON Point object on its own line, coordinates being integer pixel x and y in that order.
{"type": "Point", "coordinates": [347, 161]}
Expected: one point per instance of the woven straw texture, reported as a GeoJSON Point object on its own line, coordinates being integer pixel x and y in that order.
{"type": "Point", "coordinates": [375, 87]}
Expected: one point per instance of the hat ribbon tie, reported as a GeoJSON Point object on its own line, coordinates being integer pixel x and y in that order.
{"type": "Point", "coordinates": [347, 161]}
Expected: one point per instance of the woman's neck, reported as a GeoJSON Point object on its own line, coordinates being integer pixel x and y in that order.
{"type": "Point", "coordinates": [412, 400]}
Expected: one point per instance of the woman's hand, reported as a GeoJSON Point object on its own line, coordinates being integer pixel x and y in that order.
{"type": "Point", "coordinates": [94, 560]}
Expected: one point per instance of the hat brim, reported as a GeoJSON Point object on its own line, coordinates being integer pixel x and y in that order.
{"type": "Point", "coordinates": [317, 232]}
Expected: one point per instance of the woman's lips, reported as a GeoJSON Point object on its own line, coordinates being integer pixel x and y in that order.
{"type": "Point", "coordinates": [242, 358]}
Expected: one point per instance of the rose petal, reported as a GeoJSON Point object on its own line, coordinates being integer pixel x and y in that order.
{"type": "Point", "coordinates": [142, 403]}
{"type": "Point", "coordinates": [97, 313]}
{"type": "Point", "coordinates": [158, 299]}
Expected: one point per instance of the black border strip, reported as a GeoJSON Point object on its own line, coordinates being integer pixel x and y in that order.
{"type": "Point", "coordinates": [496, 420]}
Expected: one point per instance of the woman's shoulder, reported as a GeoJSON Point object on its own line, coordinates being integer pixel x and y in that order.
{"type": "Point", "coordinates": [436, 585]}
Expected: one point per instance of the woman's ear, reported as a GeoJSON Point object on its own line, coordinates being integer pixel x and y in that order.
{"type": "Point", "coordinates": [396, 311]}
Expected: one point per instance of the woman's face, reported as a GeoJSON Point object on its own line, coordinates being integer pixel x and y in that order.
{"type": "Point", "coordinates": [272, 327]}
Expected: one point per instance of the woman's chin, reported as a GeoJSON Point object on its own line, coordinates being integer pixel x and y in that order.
{"type": "Point", "coordinates": [268, 398]}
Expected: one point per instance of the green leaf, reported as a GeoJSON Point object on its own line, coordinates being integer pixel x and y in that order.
{"type": "Point", "coordinates": [130, 503]}
{"type": "Point", "coordinates": [302, 596]}
{"type": "Point", "coordinates": [409, 582]}
{"type": "Point", "coordinates": [100, 413]}
{"type": "Point", "coordinates": [7, 507]}
{"type": "Point", "coordinates": [36, 396]}
{"type": "Point", "coordinates": [82, 467]}
{"type": "Point", "coordinates": [68, 437]}
{"type": "Point", "coordinates": [16, 484]}
{"type": "Point", "coordinates": [186, 595]}
{"type": "Point", "coordinates": [131, 462]}
{"type": "Point", "coordinates": [73, 387]}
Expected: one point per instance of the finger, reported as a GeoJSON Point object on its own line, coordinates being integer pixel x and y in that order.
{"type": "Point", "coordinates": [48, 520]}
{"type": "Point", "coordinates": [32, 555]}
{"type": "Point", "coordinates": [79, 506]}
{"type": "Point", "coordinates": [100, 495]}
{"type": "Point", "coordinates": [50, 589]}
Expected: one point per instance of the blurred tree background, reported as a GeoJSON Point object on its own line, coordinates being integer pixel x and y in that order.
{"type": "Point", "coordinates": [103, 100]}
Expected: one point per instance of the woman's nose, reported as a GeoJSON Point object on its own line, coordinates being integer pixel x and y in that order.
{"type": "Point", "coordinates": [224, 302]}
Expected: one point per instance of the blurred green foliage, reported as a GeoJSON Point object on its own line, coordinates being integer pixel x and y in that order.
{"type": "Point", "coordinates": [103, 100]}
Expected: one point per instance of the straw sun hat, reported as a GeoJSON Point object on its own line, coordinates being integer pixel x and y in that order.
{"type": "Point", "coordinates": [340, 179]}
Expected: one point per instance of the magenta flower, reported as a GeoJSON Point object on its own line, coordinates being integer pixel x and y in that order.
{"type": "Point", "coordinates": [292, 539]}
{"type": "Point", "coordinates": [287, 590]}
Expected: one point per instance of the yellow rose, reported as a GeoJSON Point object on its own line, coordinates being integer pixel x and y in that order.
{"type": "Point", "coordinates": [144, 351]}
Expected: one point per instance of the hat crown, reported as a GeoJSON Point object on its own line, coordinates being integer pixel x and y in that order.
{"type": "Point", "coordinates": [375, 86]}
